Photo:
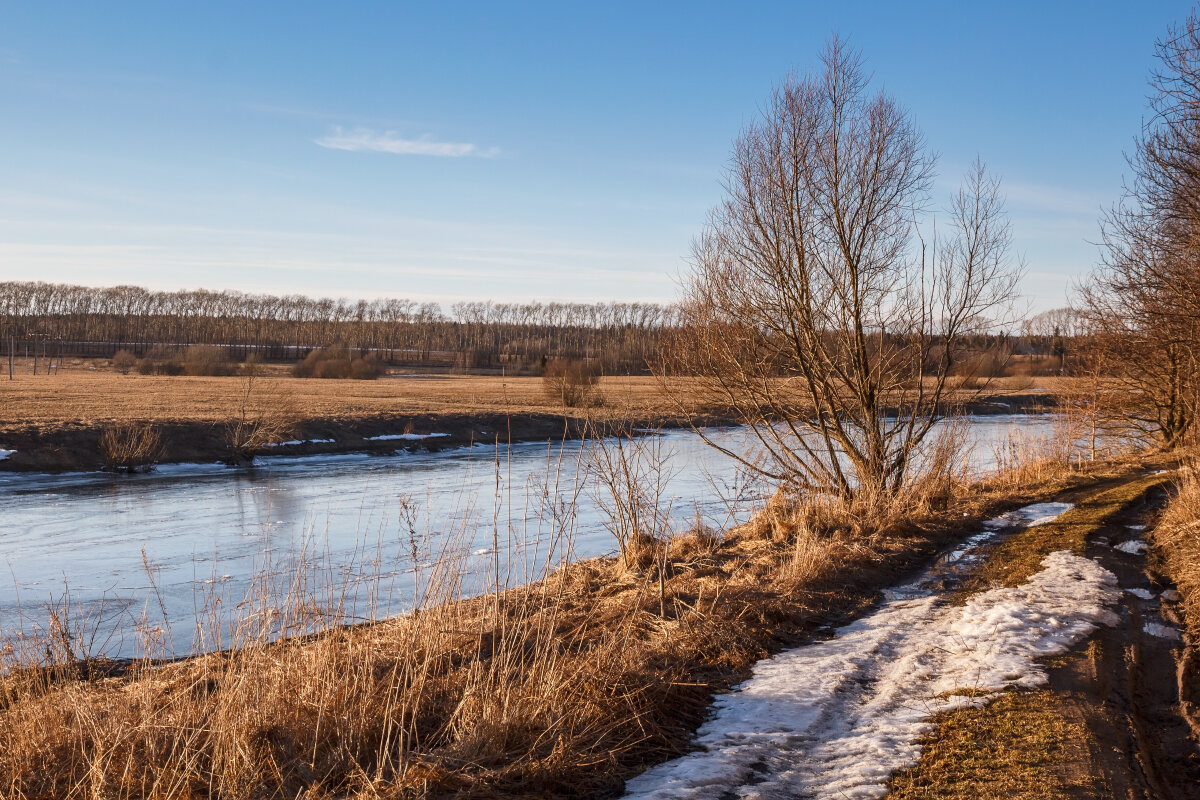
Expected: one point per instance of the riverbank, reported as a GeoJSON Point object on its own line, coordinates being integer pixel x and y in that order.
{"type": "Point", "coordinates": [55, 423]}
{"type": "Point", "coordinates": [565, 687]}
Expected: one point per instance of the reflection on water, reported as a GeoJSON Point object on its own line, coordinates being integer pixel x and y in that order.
{"type": "Point", "coordinates": [195, 540]}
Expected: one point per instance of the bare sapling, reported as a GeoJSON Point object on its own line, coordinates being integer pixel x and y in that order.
{"type": "Point", "coordinates": [631, 473]}
{"type": "Point", "coordinates": [264, 415]}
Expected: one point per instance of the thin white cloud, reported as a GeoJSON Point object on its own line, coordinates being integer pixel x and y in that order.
{"type": "Point", "coordinates": [367, 140]}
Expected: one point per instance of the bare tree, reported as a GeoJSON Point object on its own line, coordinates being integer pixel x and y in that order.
{"type": "Point", "coordinates": [815, 311]}
{"type": "Point", "coordinates": [1143, 303]}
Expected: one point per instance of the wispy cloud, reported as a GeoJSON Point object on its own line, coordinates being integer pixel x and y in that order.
{"type": "Point", "coordinates": [367, 140]}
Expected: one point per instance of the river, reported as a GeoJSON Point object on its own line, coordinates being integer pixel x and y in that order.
{"type": "Point", "coordinates": [114, 555]}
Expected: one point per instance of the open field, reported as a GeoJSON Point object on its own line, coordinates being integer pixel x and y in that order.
{"type": "Point", "coordinates": [88, 396]}
{"type": "Point", "coordinates": [80, 395]}
{"type": "Point", "coordinates": [56, 421]}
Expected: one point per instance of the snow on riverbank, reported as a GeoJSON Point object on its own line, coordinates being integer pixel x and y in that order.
{"type": "Point", "coordinates": [406, 437]}
{"type": "Point", "coordinates": [6, 453]}
{"type": "Point", "coordinates": [834, 719]}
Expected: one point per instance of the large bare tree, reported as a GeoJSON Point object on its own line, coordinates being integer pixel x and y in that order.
{"type": "Point", "coordinates": [816, 311]}
{"type": "Point", "coordinates": [1143, 304]}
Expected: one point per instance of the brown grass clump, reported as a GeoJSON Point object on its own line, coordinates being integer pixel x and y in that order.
{"type": "Point", "coordinates": [1176, 540]}
{"type": "Point", "coordinates": [130, 447]}
{"type": "Point", "coordinates": [206, 360]}
{"type": "Point", "coordinates": [123, 361]}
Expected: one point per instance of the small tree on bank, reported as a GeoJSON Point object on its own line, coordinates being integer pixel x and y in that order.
{"type": "Point", "coordinates": [815, 311]}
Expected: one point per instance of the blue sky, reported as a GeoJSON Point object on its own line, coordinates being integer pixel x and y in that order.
{"type": "Point", "coordinates": [569, 151]}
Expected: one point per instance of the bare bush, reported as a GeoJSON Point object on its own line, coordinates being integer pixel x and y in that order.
{"type": "Point", "coordinates": [339, 362]}
{"type": "Point", "coordinates": [631, 474]}
{"type": "Point", "coordinates": [575, 384]}
{"type": "Point", "coordinates": [123, 361]}
{"type": "Point", "coordinates": [206, 360]}
{"type": "Point", "coordinates": [161, 361]}
{"type": "Point", "coordinates": [130, 447]}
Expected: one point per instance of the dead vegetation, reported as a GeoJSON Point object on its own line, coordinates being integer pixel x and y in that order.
{"type": "Point", "coordinates": [263, 416]}
{"type": "Point", "coordinates": [1010, 748]}
{"type": "Point", "coordinates": [130, 447]}
{"type": "Point", "coordinates": [574, 384]}
{"type": "Point", "coordinates": [1176, 540]}
{"type": "Point", "coordinates": [339, 362]}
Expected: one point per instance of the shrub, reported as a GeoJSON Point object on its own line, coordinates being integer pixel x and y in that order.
{"type": "Point", "coordinates": [572, 383]}
{"type": "Point", "coordinates": [338, 362]}
{"type": "Point", "coordinates": [123, 361]}
{"type": "Point", "coordinates": [160, 361]}
{"type": "Point", "coordinates": [130, 447]}
{"type": "Point", "coordinates": [204, 359]}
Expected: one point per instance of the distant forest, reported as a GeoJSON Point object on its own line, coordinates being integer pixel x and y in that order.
{"type": "Point", "coordinates": [619, 338]}
{"type": "Point", "coordinates": [616, 338]}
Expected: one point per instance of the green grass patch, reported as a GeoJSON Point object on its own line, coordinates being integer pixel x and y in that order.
{"type": "Point", "coordinates": [1017, 559]}
{"type": "Point", "coordinates": [1014, 747]}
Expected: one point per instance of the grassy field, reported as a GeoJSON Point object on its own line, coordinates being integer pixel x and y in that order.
{"type": "Point", "coordinates": [87, 396]}
{"type": "Point", "coordinates": [84, 394]}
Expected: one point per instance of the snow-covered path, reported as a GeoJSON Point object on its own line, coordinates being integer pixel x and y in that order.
{"type": "Point", "coordinates": [834, 719]}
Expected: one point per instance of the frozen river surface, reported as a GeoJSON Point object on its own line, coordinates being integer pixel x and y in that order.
{"type": "Point", "coordinates": [161, 549]}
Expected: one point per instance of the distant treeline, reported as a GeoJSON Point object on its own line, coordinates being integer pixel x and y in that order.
{"type": "Point", "coordinates": [88, 321]}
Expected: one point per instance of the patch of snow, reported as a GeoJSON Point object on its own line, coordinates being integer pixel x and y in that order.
{"type": "Point", "coordinates": [301, 441]}
{"type": "Point", "coordinates": [1171, 594]}
{"type": "Point", "coordinates": [408, 437]}
{"type": "Point", "coordinates": [1136, 527]}
{"type": "Point", "coordinates": [483, 551]}
{"type": "Point", "coordinates": [1145, 594]}
{"type": "Point", "coordinates": [1028, 516]}
{"type": "Point", "coordinates": [1134, 547]}
{"type": "Point", "coordinates": [835, 719]}
{"type": "Point", "coordinates": [1161, 631]}
{"type": "Point", "coordinates": [6, 453]}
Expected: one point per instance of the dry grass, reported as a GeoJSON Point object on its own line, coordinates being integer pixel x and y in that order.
{"type": "Point", "coordinates": [1010, 748]}
{"type": "Point", "coordinates": [83, 396]}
